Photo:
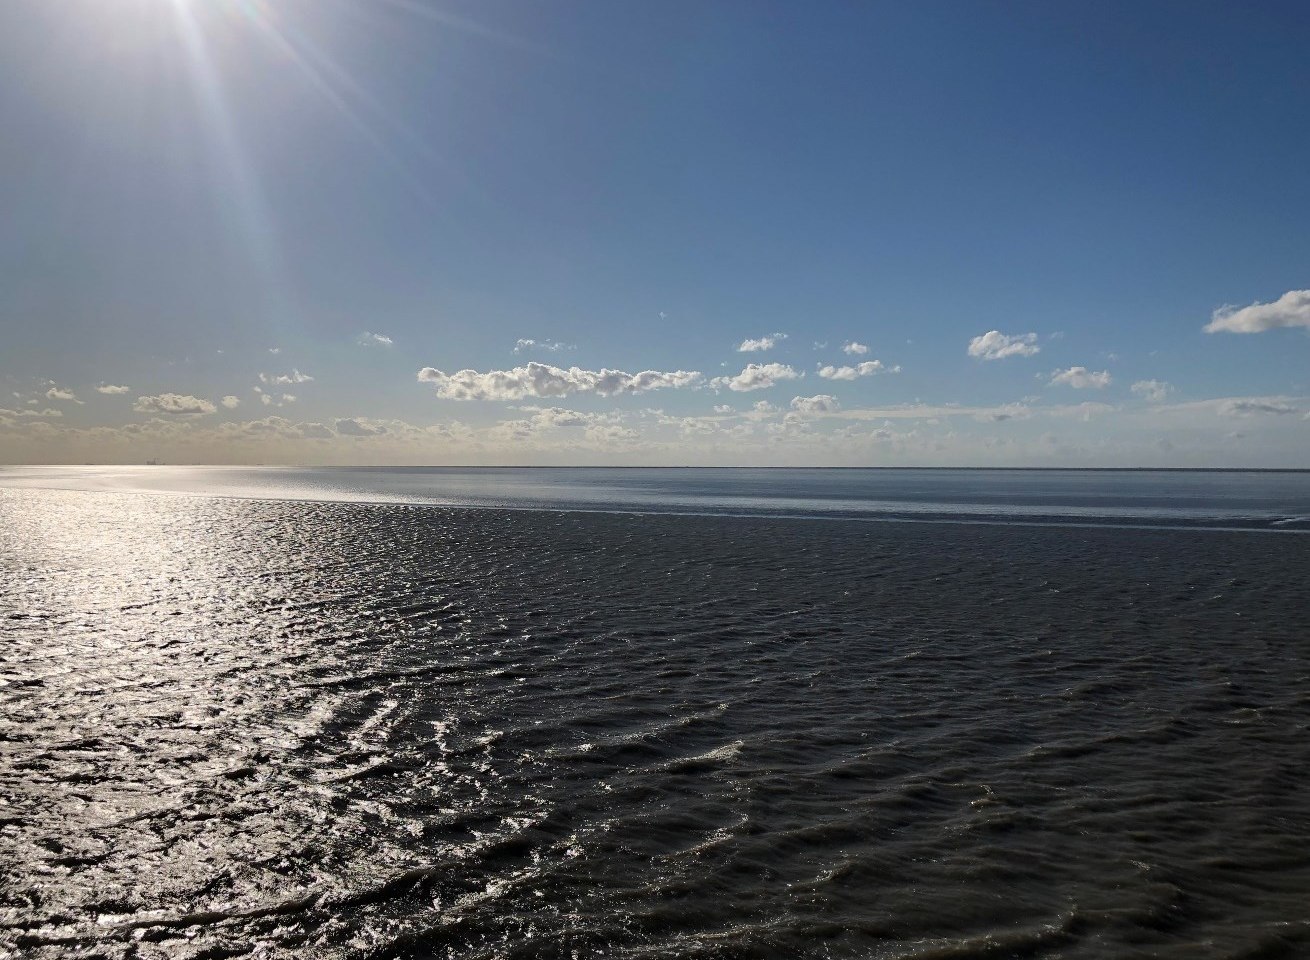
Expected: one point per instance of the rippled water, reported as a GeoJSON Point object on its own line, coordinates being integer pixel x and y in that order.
{"type": "Point", "coordinates": [295, 729]}
{"type": "Point", "coordinates": [1227, 499]}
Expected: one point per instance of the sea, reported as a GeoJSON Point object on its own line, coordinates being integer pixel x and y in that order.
{"type": "Point", "coordinates": [646, 713]}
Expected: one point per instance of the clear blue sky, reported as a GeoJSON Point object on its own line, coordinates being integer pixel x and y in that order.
{"type": "Point", "coordinates": [189, 185]}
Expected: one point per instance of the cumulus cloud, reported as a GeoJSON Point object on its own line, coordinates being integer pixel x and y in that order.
{"type": "Point", "coordinates": [112, 389]}
{"type": "Point", "coordinates": [815, 406]}
{"type": "Point", "coordinates": [763, 343]}
{"type": "Point", "coordinates": [543, 380]}
{"type": "Point", "coordinates": [1152, 390]}
{"type": "Point", "coordinates": [230, 402]}
{"type": "Point", "coordinates": [174, 404]}
{"type": "Point", "coordinates": [756, 376]}
{"type": "Point", "coordinates": [61, 393]}
{"type": "Point", "coordinates": [367, 339]}
{"type": "Point", "coordinates": [359, 427]}
{"type": "Point", "coordinates": [854, 349]}
{"type": "Point", "coordinates": [866, 369]}
{"type": "Point", "coordinates": [1292, 309]}
{"type": "Point", "coordinates": [1080, 378]}
{"type": "Point", "coordinates": [295, 376]}
{"type": "Point", "coordinates": [523, 345]}
{"type": "Point", "coordinates": [994, 345]}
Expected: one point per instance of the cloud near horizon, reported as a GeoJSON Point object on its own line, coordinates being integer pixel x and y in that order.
{"type": "Point", "coordinates": [1154, 391]}
{"type": "Point", "coordinates": [866, 369]}
{"type": "Point", "coordinates": [994, 345]}
{"type": "Point", "coordinates": [1080, 378]}
{"type": "Point", "coordinates": [763, 343]}
{"type": "Point", "coordinates": [543, 380]}
{"type": "Point", "coordinates": [757, 376]}
{"type": "Point", "coordinates": [815, 406]}
{"type": "Point", "coordinates": [174, 404]}
{"type": "Point", "coordinates": [523, 344]}
{"type": "Point", "coordinates": [1292, 309]}
{"type": "Point", "coordinates": [111, 389]}
{"type": "Point", "coordinates": [295, 376]}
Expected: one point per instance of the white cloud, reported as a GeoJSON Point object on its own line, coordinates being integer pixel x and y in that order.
{"type": "Point", "coordinates": [111, 389]}
{"type": "Point", "coordinates": [367, 339]}
{"type": "Point", "coordinates": [854, 349]}
{"type": "Point", "coordinates": [761, 410]}
{"type": "Point", "coordinates": [994, 345]}
{"type": "Point", "coordinates": [275, 350]}
{"type": "Point", "coordinates": [61, 393]}
{"type": "Point", "coordinates": [264, 398]}
{"type": "Point", "coordinates": [1292, 309]}
{"type": "Point", "coordinates": [288, 398]}
{"type": "Point", "coordinates": [866, 369]}
{"type": "Point", "coordinates": [724, 408]}
{"type": "Point", "coordinates": [295, 376]}
{"type": "Point", "coordinates": [359, 427]}
{"type": "Point", "coordinates": [552, 346]}
{"type": "Point", "coordinates": [1080, 378]}
{"type": "Point", "coordinates": [815, 406]}
{"type": "Point", "coordinates": [757, 376]}
{"type": "Point", "coordinates": [33, 414]}
{"type": "Point", "coordinates": [763, 343]}
{"type": "Point", "coordinates": [1152, 390]}
{"type": "Point", "coordinates": [543, 380]}
{"type": "Point", "coordinates": [230, 402]}
{"type": "Point", "coordinates": [174, 404]}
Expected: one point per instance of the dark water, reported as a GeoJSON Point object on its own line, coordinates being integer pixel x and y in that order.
{"type": "Point", "coordinates": [307, 729]}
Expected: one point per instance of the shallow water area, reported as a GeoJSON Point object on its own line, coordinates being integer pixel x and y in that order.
{"type": "Point", "coordinates": [308, 728]}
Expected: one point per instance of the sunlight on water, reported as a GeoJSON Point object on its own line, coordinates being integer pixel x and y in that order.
{"type": "Point", "coordinates": [348, 730]}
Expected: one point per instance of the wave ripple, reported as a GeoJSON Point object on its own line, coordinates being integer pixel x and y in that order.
{"type": "Point", "coordinates": [284, 729]}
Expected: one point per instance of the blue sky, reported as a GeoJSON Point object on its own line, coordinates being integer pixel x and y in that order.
{"type": "Point", "coordinates": [344, 217]}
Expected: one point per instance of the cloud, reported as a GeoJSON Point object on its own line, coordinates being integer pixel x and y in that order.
{"type": "Point", "coordinates": [33, 414]}
{"type": "Point", "coordinates": [543, 380]}
{"type": "Point", "coordinates": [553, 346]}
{"type": "Point", "coordinates": [359, 427]}
{"type": "Point", "coordinates": [994, 345]}
{"type": "Point", "coordinates": [230, 402]}
{"type": "Point", "coordinates": [111, 389]}
{"type": "Point", "coordinates": [61, 393]}
{"type": "Point", "coordinates": [367, 339]}
{"type": "Point", "coordinates": [288, 398]}
{"type": "Point", "coordinates": [854, 349]}
{"type": "Point", "coordinates": [295, 376]}
{"type": "Point", "coordinates": [1080, 378]}
{"type": "Point", "coordinates": [275, 350]}
{"type": "Point", "coordinates": [763, 343]}
{"type": "Point", "coordinates": [174, 404]}
{"type": "Point", "coordinates": [1292, 309]}
{"type": "Point", "coordinates": [756, 376]}
{"type": "Point", "coordinates": [815, 406]}
{"type": "Point", "coordinates": [1152, 390]}
{"type": "Point", "coordinates": [866, 369]}
{"type": "Point", "coordinates": [1254, 407]}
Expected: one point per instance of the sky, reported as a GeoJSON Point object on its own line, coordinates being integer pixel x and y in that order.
{"type": "Point", "coordinates": [420, 232]}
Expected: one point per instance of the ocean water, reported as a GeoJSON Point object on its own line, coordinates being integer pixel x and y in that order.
{"type": "Point", "coordinates": [672, 714]}
{"type": "Point", "coordinates": [1276, 500]}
